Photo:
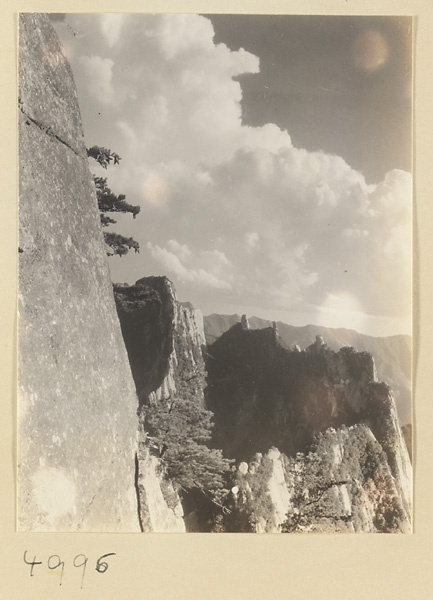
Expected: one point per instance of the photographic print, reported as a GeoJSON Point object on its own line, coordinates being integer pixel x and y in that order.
{"type": "Point", "coordinates": [215, 256]}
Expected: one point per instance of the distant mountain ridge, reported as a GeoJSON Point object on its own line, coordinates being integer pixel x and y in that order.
{"type": "Point", "coordinates": [392, 354]}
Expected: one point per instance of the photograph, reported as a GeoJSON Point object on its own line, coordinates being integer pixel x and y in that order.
{"type": "Point", "coordinates": [214, 329]}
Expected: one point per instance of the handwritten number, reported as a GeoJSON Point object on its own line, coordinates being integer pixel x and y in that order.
{"type": "Point", "coordinates": [59, 563]}
{"type": "Point", "coordinates": [83, 564]}
{"type": "Point", "coordinates": [33, 563]}
{"type": "Point", "coordinates": [101, 567]}
{"type": "Point", "coordinates": [81, 560]}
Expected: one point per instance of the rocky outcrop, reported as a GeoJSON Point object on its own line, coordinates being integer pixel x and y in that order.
{"type": "Point", "coordinates": [392, 355]}
{"type": "Point", "coordinates": [340, 447]}
{"type": "Point", "coordinates": [164, 340]}
{"type": "Point", "coordinates": [77, 422]}
{"type": "Point", "coordinates": [344, 484]}
{"type": "Point", "coordinates": [160, 507]}
{"type": "Point", "coordinates": [163, 337]}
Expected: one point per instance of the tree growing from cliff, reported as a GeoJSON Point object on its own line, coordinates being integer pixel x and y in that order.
{"type": "Point", "coordinates": [108, 202]}
{"type": "Point", "coordinates": [319, 483]}
{"type": "Point", "coordinates": [179, 429]}
{"type": "Point", "coordinates": [314, 504]}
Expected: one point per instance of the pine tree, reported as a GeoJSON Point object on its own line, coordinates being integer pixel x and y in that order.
{"type": "Point", "coordinates": [108, 202]}
{"type": "Point", "coordinates": [178, 430]}
{"type": "Point", "coordinates": [313, 504]}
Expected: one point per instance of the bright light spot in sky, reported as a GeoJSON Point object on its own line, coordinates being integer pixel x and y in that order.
{"type": "Point", "coordinates": [342, 301]}
{"type": "Point", "coordinates": [155, 189]}
{"type": "Point", "coordinates": [342, 309]}
{"type": "Point", "coordinates": [370, 50]}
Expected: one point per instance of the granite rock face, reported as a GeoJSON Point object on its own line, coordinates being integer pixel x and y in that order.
{"type": "Point", "coordinates": [317, 434]}
{"type": "Point", "coordinates": [344, 484]}
{"type": "Point", "coordinates": [160, 507]}
{"type": "Point", "coordinates": [392, 355]}
{"type": "Point", "coordinates": [77, 422]}
{"type": "Point", "coordinates": [163, 337]}
{"type": "Point", "coordinates": [164, 340]}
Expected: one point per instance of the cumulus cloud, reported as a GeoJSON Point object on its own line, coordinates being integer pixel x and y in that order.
{"type": "Point", "coordinates": [205, 269]}
{"type": "Point", "coordinates": [111, 27]}
{"type": "Point", "coordinates": [267, 223]}
{"type": "Point", "coordinates": [99, 73]}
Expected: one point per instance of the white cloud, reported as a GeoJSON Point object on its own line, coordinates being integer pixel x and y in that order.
{"type": "Point", "coordinates": [99, 75]}
{"type": "Point", "coordinates": [203, 270]}
{"type": "Point", "coordinates": [155, 189]}
{"type": "Point", "coordinates": [287, 228]}
{"type": "Point", "coordinates": [181, 250]}
{"type": "Point", "coordinates": [177, 34]}
{"type": "Point", "coordinates": [355, 233]}
{"type": "Point", "coordinates": [126, 131]}
{"type": "Point", "coordinates": [111, 27]}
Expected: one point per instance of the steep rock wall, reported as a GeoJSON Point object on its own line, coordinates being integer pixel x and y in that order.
{"type": "Point", "coordinates": [164, 340]}
{"type": "Point", "coordinates": [264, 396]}
{"type": "Point", "coordinates": [77, 421]}
{"type": "Point", "coordinates": [160, 507]}
{"type": "Point", "coordinates": [344, 484]}
{"type": "Point", "coordinates": [392, 355]}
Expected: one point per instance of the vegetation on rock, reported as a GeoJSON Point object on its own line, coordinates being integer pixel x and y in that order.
{"type": "Point", "coordinates": [254, 507]}
{"type": "Point", "coordinates": [360, 475]}
{"type": "Point", "coordinates": [180, 427]}
{"type": "Point", "coordinates": [313, 504]}
{"type": "Point", "coordinates": [108, 202]}
{"type": "Point", "coordinates": [169, 373]}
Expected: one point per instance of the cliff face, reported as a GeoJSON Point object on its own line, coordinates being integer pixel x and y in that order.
{"type": "Point", "coordinates": [335, 425]}
{"type": "Point", "coordinates": [344, 484]}
{"type": "Point", "coordinates": [164, 340]}
{"type": "Point", "coordinates": [77, 422]}
{"type": "Point", "coordinates": [392, 355]}
{"type": "Point", "coordinates": [159, 504]}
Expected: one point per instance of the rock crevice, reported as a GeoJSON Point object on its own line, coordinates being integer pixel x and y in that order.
{"type": "Point", "coordinates": [47, 130]}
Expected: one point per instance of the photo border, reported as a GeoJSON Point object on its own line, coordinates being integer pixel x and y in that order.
{"type": "Point", "coordinates": [196, 566]}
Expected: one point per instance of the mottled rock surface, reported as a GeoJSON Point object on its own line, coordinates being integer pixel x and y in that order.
{"type": "Point", "coordinates": [160, 507]}
{"type": "Point", "coordinates": [343, 465]}
{"type": "Point", "coordinates": [344, 484]}
{"type": "Point", "coordinates": [77, 423]}
{"type": "Point", "coordinates": [163, 337]}
{"type": "Point", "coordinates": [164, 340]}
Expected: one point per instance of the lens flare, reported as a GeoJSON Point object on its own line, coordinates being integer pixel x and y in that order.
{"type": "Point", "coordinates": [155, 190]}
{"type": "Point", "coordinates": [342, 309]}
{"type": "Point", "coordinates": [370, 50]}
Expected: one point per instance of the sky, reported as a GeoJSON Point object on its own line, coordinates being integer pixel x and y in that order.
{"type": "Point", "coordinates": [271, 158]}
